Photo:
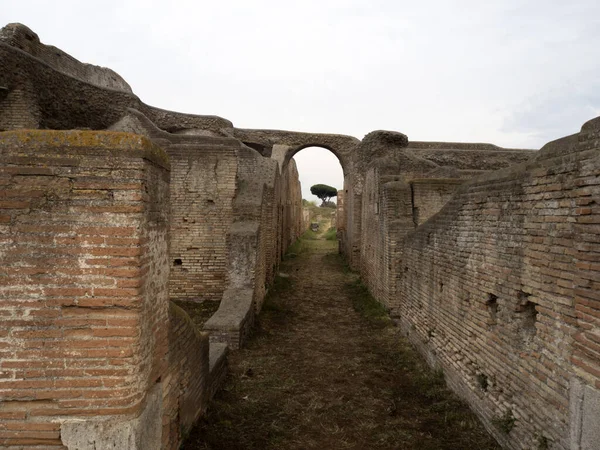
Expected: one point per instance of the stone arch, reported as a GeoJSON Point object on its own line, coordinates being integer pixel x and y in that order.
{"type": "Point", "coordinates": [285, 144]}
{"type": "Point", "coordinates": [343, 159]}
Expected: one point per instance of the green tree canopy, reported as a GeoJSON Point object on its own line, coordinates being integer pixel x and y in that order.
{"type": "Point", "coordinates": [324, 192]}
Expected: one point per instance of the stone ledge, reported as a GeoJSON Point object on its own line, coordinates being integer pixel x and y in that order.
{"type": "Point", "coordinates": [232, 321]}
{"type": "Point", "coordinates": [142, 432]}
{"type": "Point", "coordinates": [82, 141]}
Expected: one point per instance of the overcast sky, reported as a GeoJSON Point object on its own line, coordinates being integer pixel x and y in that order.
{"type": "Point", "coordinates": [516, 73]}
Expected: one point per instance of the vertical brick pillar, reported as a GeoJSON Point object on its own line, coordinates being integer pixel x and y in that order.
{"type": "Point", "coordinates": [83, 285]}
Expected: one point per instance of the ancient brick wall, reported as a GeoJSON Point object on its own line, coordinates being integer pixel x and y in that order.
{"type": "Point", "coordinates": [87, 339]}
{"type": "Point", "coordinates": [185, 385]}
{"type": "Point", "coordinates": [387, 212]}
{"type": "Point", "coordinates": [340, 213]}
{"type": "Point", "coordinates": [84, 291]}
{"type": "Point", "coordinates": [20, 109]}
{"type": "Point", "coordinates": [272, 197]}
{"type": "Point", "coordinates": [500, 290]}
{"type": "Point", "coordinates": [253, 239]}
{"type": "Point", "coordinates": [293, 223]}
{"type": "Point", "coordinates": [351, 238]}
{"type": "Point", "coordinates": [372, 245]}
{"type": "Point", "coordinates": [404, 184]}
{"type": "Point", "coordinates": [203, 184]}
{"type": "Point", "coordinates": [429, 195]}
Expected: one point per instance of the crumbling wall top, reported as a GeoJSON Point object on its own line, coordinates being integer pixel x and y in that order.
{"type": "Point", "coordinates": [19, 36]}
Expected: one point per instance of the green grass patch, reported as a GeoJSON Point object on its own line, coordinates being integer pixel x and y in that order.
{"type": "Point", "coordinates": [310, 235]}
{"type": "Point", "coordinates": [364, 303]}
{"type": "Point", "coordinates": [331, 234]}
{"type": "Point", "coordinates": [301, 245]}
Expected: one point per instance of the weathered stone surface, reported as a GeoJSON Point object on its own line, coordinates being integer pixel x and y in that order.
{"type": "Point", "coordinates": [584, 409]}
{"type": "Point", "coordinates": [232, 322]}
{"type": "Point", "coordinates": [139, 433]}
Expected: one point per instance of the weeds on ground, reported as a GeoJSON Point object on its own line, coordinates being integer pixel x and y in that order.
{"type": "Point", "coordinates": [270, 402]}
{"type": "Point", "coordinates": [331, 234]}
{"type": "Point", "coordinates": [438, 407]}
{"type": "Point", "coordinates": [301, 244]}
{"type": "Point", "coordinates": [310, 235]}
{"type": "Point", "coordinates": [364, 303]}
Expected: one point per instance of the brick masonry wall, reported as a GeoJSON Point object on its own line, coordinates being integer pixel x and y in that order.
{"type": "Point", "coordinates": [372, 243]}
{"type": "Point", "coordinates": [397, 222]}
{"type": "Point", "coordinates": [185, 385]}
{"type": "Point", "coordinates": [392, 207]}
{"type": "Point", "coordinates": [293, 225]}
{"type": "Point", "coordinates": [203, 184]}
{"type": "Point", "coordinates": [83, 284]}
{"type": "Point", "coordinates": [430, 195]}
{"type": "Point", "coordinates": [500, 289]}
{"type": "Point", "coordinates": [19, 108]}
{"type": "Point", "coordinates": [351, 238]}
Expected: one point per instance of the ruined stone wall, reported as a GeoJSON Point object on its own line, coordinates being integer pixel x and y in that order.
{"type": "Point", "coordinates": [40, 93]}
{"type": "Point", "coordinates": [500, 290]}
{"type": "Point", "coordinates": [19, 108]}
{"type": "Point", "coordinates": [293, 217]}
{"type": "Point", "coordinates": [272, 226]}
{"type": "Point", "coordinates": [186, 383]}
{"type": "Point", "coordinates": [21, 37]}
{"type": "Point", "coordinates": [253, 240]}
{"type": "Point", "coordinates": [91, 354]}
{"type": "Point", "coordinates": [351, 238]}
{"type": "Point", "coordinates": [85, 278]}
{"type": "Point", "coordinates": [430, 195]}
{"type": "Point", "coordinates": [372, 243]}
{"type": "Point", "coordinates": [203, 184]}
{"type": "Point", "coordinates": [404, 184]}
{"type": "Point", "coordinates": [340, 219]}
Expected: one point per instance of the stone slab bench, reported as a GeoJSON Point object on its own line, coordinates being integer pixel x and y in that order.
{"type": "Point", "coordinates": [232, 322]}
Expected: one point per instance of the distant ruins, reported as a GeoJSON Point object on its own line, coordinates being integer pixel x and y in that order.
{"type": "Point", "coordinates": [110, 208]}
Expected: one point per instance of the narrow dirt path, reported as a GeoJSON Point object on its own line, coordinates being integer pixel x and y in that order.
{"type": "Point", "coordinates": [326, 369]}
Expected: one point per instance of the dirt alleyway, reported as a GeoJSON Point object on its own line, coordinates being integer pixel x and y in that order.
{"type": "Point", "coordinates": [326, 369]}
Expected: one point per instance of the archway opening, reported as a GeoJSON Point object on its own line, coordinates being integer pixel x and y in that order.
{"type": "Point", "coordinates": [318, 167]}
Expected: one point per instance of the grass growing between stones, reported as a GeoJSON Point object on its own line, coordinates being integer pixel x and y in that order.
{"type": "Point", "coordinates": [327, 369]}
